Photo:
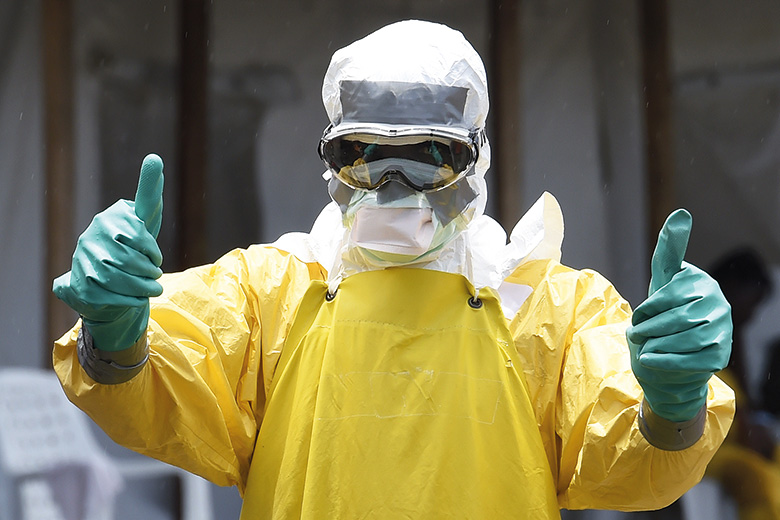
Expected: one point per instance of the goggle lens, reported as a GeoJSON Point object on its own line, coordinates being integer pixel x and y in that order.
{"type": "Point", "coordinates": [424, 162]}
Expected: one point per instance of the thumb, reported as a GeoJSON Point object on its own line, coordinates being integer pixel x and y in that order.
{"type": "Point", "coordinates": [670, 249]}
{"type": "Point", "coordinates": [61, 286]}
{"type": "Point", "coordinates": [148, 196]}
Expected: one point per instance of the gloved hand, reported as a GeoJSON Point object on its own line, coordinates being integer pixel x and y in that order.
{"type": "Point", "coordinates": [681, 334]}
{"type": "Point", "coordinates": [116, 265]}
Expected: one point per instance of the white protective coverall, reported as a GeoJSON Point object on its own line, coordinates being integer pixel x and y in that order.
{"type": "Point", "coordinates": [480, 380]}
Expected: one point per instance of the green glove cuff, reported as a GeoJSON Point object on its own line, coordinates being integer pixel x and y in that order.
{"type": "Point", "coordinates": [120, 333]}
{"type": "Point", "coordinates": [670, 435]}
{"type": "Point", "coordinates": [111, 368]}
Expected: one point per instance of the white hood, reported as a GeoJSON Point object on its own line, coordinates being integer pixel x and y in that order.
{"type": "Point", "coordinates": [425, 75]}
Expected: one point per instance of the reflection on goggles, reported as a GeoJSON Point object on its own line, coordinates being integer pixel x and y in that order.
{"type": "Point", "coordinates": [424, 162]}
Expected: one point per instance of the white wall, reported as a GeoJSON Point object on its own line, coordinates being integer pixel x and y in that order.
{"type": "Point", "coordinates": [584, 134]}
{"type": "Point", "coordinates": [21, 186]}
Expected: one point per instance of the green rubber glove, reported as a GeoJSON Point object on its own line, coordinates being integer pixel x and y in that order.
{"type": "Point", "coordinates": [116, 265]}
{"type": "Point", "coordinates": [681, 334]}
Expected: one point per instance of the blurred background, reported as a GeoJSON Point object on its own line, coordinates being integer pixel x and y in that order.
{"type": "Point", "coordinates": [623, 109]}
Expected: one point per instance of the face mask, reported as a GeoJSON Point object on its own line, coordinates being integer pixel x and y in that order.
{"type": "Point", "coordinates": [392, 226]}
{"type": "Point", "coordinates": [404, 232]}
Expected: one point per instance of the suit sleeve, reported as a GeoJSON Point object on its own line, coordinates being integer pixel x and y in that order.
{"type": "Point", "coordinates": [587, 401]}
{"type": "Point", "coordinates": [214, 338]}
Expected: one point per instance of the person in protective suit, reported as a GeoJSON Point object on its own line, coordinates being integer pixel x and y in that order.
{"type": "Point", "coordinates": [747, 465]}
{"type": "Point", "coordinates": [402, 359]}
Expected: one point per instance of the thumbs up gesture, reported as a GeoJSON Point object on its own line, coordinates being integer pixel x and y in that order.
{"type": "Point", "coordinates": [681, 334]}
{"type": "Point", "coordinates": [116, 265]}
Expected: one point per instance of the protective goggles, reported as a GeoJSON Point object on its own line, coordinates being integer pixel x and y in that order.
{"type": "Point", "coordinates": [424, 159]}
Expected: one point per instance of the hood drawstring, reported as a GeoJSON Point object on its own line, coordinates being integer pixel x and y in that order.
{"type": "Point", "coordinates": [474, 301]}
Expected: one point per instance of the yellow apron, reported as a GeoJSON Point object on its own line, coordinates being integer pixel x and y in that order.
{"type": "Point", "coordinates": [397, 399]}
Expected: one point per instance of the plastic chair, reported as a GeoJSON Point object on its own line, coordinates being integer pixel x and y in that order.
{"type": "Point", "coordinates": [706, 501]}
{"type": "Point", "coordinates": [53, 468]}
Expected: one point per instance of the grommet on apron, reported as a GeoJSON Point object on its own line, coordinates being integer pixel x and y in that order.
{"type": "Point", "coordinates": [474, 301]}
{"type": "Point", "coordinates": [333, 287]}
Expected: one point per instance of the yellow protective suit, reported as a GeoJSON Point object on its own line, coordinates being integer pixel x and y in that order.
{"type": "Point", "coordinates": [396, 399]}
{"type": "Point", "coordinates": [749, 478]}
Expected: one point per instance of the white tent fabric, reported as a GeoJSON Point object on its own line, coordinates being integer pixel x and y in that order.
{"type": "Point", "coordinates": [727, 145]}
{"type": "Point", "coordinates": [21, 185]}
